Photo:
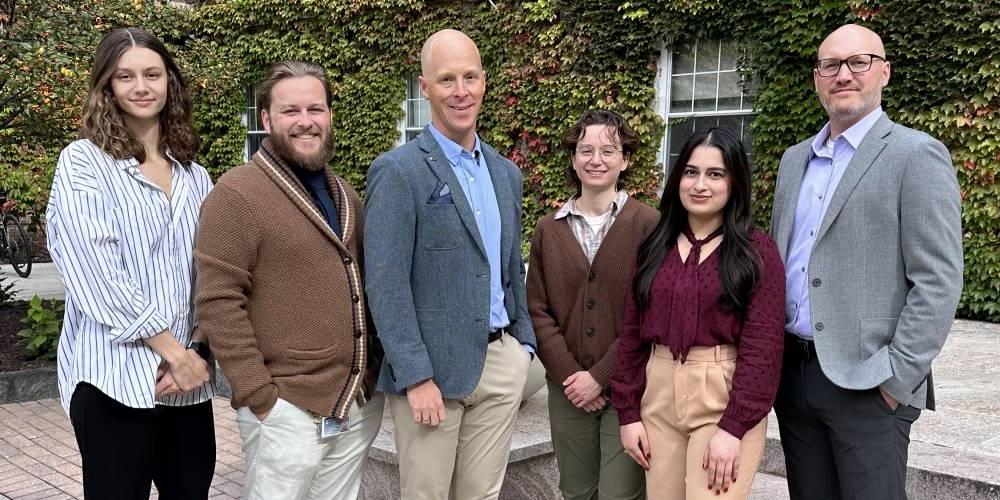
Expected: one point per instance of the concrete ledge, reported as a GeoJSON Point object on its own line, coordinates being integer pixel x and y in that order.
{"type": "Point", "coordinates": [28, 385]}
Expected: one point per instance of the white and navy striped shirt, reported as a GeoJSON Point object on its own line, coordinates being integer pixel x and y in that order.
{"type": "Point", "coordinates": [124, 253]}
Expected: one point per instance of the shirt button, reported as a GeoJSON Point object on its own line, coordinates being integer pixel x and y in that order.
{"type": "Point", "coordinates": [591, 275]}
{"type": "Point", "coordinates": [819, 327]}
{"type": "Point", "coordinates": [472, 179]}
{"type": "Point", "coordinates": [811, 233]}
{"type": "Point", "coordinates": [355, 298]}
{"type": "Point", "coordinates": [803, 269]}
{"type": "Point", "coordinates": [590, 303]}
{"type": "Point", "coordinates": [821, 197]}
{"type": "Point", "coordinates": [479, 212]}
{"type": "Point", "coordinates": [590, 331]}
{"type": "Point", "coordinates": [817, 282]}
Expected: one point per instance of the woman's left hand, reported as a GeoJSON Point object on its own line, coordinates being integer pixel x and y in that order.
{"type": "Point", "coordinates": [722, 461]}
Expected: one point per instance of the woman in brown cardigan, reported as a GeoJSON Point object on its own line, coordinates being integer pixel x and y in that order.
{"type": "Point", "coordinates": [577, 281]}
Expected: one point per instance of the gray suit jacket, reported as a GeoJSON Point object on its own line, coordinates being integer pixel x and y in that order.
{"type": "Point", "coordinates": [885, 274]}
{"type": "Point", "coordinates": [427, 274]}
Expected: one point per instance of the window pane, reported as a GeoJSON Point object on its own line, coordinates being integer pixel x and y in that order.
{"type": "Point", "coordinates": [747, 137]}
{"type": "Point", "coordinates": [729, 91]}
{"type": "Point", "coordinates": [424, 117]}
{"type": "Point", "coordinates": [411, 134]}
{"type": "Point", "coordinates": [679, 134]}
{"type": "Point", "coordinates": [253, 143]}
{"type": "Point", "coordinates": [683, 59]}
{"type": "Point", "coordinates": [680, 94]}
{"type": "Point", "coordinates": [749, 94]}
{"type": "Point", "coordinates": [708, 56]}
{"type": "Point", "coordinates": [734, 123]}
{"type": "Point", "coordinates": [705, 87]}
{"type": "Point", "coordinates": [412, 113]}
{"type": "Point", "coordinates": [705, 122]}
{"type": "Point", "coordinates": [730, 55]}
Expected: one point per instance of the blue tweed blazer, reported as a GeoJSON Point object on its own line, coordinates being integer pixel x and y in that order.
{"type": "Point", "coordinates": [426, 269]}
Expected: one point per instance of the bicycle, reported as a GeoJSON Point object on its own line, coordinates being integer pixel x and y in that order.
{"type": "Point", "coordinates": [14, 242]}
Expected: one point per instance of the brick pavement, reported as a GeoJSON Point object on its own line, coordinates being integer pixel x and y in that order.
{"type": "Point", "coordinates": [39, 458]}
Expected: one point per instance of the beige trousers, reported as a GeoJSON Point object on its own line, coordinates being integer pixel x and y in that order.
{"type": "Point", "coordinates": [465, 457]}
{"type": "Point", "coordinates": [286, 459]}
{"type": "Point", "coordinates": [680, 409]}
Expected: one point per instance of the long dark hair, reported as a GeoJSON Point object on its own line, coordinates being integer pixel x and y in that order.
{"type": "Point", "coordinates": [739, 263]}
{"type": "Point", "coordinates": [103, 122]}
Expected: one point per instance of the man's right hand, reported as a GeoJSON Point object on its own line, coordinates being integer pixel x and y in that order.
{"type": "Point", "coordinates": [426, 403]}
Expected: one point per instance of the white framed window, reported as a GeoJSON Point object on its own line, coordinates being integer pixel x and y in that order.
{"type": "Point", "coordinates": [699, 86]}
{"type": "Point", "coordinates": [416, 109]}
{"type": "Point", "coordinates": [251, 119]}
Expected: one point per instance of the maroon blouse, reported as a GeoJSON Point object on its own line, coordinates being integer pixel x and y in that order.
{"type": "Point", "coordinates": [758, 334]}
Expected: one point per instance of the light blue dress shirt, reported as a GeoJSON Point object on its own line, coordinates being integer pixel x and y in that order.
{"type": "Point", "coordinates": [477, 185]}
{"type": "Point", "coordinates": [828, 164]}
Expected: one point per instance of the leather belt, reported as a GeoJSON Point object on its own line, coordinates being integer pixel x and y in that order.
{"type": "Point", "coordinates": [804, 349]}
{"type": "Point", "coordinates": [496, 334]}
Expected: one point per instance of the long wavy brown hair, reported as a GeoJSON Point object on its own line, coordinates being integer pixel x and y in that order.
{"type": "Point", "coordinates": [103, 122]}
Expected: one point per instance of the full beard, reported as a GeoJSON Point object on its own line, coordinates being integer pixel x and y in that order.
{"type": "Point", "coordinates": [283, 147]}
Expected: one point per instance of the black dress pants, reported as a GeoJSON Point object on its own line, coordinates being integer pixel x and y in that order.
{"type": "Point", "coordinates": [839, 443]}
{"type": "Point", "coordinates": [126, 449]}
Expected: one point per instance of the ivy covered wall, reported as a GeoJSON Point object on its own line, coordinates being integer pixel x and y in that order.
{"type": "Point", "coordinates": [546, 61]}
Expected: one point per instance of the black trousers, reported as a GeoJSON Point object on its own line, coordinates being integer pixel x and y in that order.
{"type": "Point", "coordinates": [125, 449]}
{"type": "Point", "coordinates": [839, 443]}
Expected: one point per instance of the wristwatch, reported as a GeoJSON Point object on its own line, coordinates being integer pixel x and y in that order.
{"type": "Point", "coordinates": [201, 349]}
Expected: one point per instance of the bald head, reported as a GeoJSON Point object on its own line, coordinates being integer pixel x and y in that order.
{"type": "Point", "coordinates": [447, 43]}
{"type": "Point", "coordinates": [851, 39]}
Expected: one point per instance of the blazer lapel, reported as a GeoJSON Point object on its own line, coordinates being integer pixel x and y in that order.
{"type": "Point", "coordinates": [869, 149]}
{"type": "Point", "coordinates": [787, 197]}
{"type": "Point", "coordinates": [508, 212]}
{"type": "Point", "coordinates": [442, 168]}
{"type": "Point", "coordinates": [286, 181]}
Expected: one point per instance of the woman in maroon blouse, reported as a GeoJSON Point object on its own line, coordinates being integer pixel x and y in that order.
{"type": "Point", "coordinates": [699, 354]}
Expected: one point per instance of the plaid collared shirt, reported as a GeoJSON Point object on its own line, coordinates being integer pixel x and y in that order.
{"type": "Point", "coordinates": [590, 238]}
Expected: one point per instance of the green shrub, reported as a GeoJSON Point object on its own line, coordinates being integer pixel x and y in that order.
{"type": "Point", "coordinates": [40, 337]}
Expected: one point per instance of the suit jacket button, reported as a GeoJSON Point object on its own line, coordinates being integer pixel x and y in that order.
{"type": "Point", "coordinates": [355, 298]}
{"type": "Point", "coordinates": [591, 275]}
{"type": "Point", "coordinates": [591, 331]}
{"type": "Point", "coordinates": [819, 327]}
{"type": "Point", "coordinates": [817, 282]}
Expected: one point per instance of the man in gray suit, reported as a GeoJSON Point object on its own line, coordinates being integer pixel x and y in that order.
{"type": "Point", "coordinates": [867, 217]}
{"type": "Point", "coordinates": [445, 282]}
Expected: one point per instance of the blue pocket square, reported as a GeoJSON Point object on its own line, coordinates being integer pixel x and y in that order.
{"type": "Point", "coordinates": [441, 196]}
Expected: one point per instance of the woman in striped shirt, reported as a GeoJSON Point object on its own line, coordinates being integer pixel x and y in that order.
{"type": "Point", "coordinates": [121, 220]}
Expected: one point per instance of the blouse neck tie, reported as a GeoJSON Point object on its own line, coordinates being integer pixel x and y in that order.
{"type": "Point", "coordinates": [685, 296]}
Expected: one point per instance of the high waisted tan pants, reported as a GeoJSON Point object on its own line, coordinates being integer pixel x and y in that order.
{"type": "Point", "coordinates": [682, 404]}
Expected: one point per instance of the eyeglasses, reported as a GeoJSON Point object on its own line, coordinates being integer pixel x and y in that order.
{"type": "Point", "coordinates": [607, 153]}
{"type": "Point", "coordinates": [858, 63]}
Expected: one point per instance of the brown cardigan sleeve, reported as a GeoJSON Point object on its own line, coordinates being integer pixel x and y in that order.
{"type": "Point", "coordinates": [225, 254]}
{"type": "Point", "coordinates": [552, 348]}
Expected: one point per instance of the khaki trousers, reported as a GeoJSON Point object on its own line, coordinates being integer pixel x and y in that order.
{"type": "Point", "coordinates": [286, 459]}
{"type": "Point", "coordinates": [680, 409]}
{"type": "Point", "coordinates": [593, 464]}
{"type": "Point", "coordinates": [464, 457]}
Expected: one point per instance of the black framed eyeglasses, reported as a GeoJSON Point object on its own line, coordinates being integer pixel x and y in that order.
{"type": "Point", "coordinates": [858, 63]}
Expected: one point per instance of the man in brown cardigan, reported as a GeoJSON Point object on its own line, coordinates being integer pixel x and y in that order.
{"type": "Point", "coordinates": [280, 297]}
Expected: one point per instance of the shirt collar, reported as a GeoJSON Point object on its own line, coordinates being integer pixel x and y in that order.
{"type": "Point", "coordinates": [452, 150]}
{"type": "Point", "coordinates": [853, 135]}
{"type": "Point", "coordinates": [570, 206]}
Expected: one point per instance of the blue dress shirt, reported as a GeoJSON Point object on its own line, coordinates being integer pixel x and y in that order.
{"type": "Point", "coordinates": [477, 185]}
{"type": "Point", "coordinates": [831, 156]}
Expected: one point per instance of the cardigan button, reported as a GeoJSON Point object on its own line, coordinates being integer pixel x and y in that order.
{"type": "Point", "coordinates": [591, 275]}
{"type": "Point", "coordinates": [817, 282]}
{"type": "Point", "coordinates": [591, 331]}
{"type": "Point", "coordinates": [588, 361]}
{"type": "Point", "coordinates": [590, 303]}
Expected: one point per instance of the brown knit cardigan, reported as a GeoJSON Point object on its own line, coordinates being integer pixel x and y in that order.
{"type": "Point", "coordinates": [575, 306]}
{"type": "Point", "coordinates": [279, 295]}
